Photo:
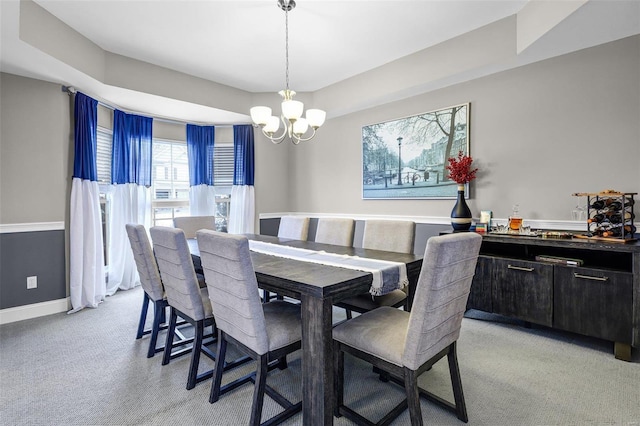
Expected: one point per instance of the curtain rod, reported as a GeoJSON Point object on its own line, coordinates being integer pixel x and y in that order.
{"type": "Point", "coordinates": [70, 90]}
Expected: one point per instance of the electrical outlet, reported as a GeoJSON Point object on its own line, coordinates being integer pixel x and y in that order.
{"type": "Point", "coordinates": [32, 282]}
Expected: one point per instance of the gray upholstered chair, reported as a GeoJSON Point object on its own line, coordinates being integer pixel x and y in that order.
{"type": "Point", "coordinates": [266, 332]}
{"type": "Point", "coordinates": [154, 292]}
{"type": "Point", "coordinates": [151, 284]}
{"type": "Point", "coordinates": [386, 235]}
{"type": "Point", "coordinates": [293, 227]}
{"type": "Point", "coordinates": [190, 224]}
{"type": "Point", "coordinates": [406, 344]}
{"type": "Point", "coordinates": [338, 231]}
{"type": "Point", "coordinates": [184, 295]}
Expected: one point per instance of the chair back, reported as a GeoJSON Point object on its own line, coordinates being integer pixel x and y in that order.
{"type": "Point", "coordinates": [389, 235]}
{"type": "Point", "coordinates": [294, 227]}
{"type": "Point", "coordinates": [191, 224]}
{"type": "Point", "coordinates": [233, 288]}
{"type": "Point", "coordinates": [177, 272]}
{"type": "Point", "coordinates": [145, 261]}
{"type": "Point", "coordinates": [441, 296]}
{"type": "Point", "coordinates": [338, 231]}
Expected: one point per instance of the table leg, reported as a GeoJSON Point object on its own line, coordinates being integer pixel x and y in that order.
{"type": "Point", "coordinates": [317, 362]}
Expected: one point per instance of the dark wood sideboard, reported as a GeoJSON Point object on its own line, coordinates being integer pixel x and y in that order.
{"type": "Point", "coordinates": [600, 298]}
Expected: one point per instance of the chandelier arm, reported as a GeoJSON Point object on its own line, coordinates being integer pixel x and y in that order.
{"type": "Point", "coordinates": [277, 139]}
{"type": "Point", "coordinates": [301, 139]}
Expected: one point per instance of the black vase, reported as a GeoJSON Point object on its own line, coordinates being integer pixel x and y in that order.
{"type": "Point", "coordinates": [461, 215]}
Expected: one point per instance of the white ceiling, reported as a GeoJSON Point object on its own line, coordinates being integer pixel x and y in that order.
{"type": "Point", "coordinates": [241, 43]}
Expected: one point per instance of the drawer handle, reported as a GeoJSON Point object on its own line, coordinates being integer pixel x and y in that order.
{"type": "Point", "coordinates": [588, 277]}
{"type": "Point", "coordinates": [520, 268]}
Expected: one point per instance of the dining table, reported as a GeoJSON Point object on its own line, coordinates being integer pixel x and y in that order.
{"type": "Point", "coordinates": [319, 287]}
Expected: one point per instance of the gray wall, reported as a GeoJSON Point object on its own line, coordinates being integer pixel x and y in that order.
{"type": "Point", "coordinates": [538, 133]}
{"type": "Point", "coordinates": [25, 254]}
{"type": "Point", "coordinates": [35, 143]}
{"type": "Point", "coordinates": [35, 176]}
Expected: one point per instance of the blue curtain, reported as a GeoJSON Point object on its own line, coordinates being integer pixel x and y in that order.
{"type": "Point", "coordinates": [86, 259]}
{"type": "Point", "coordinates": [85, 138]}
{"type": "Point", "coordinates": [200, 140]}
{"type": "Point", "coordinates": [243, 172]}
{"type": "Point", "coordinates": [131, 156]}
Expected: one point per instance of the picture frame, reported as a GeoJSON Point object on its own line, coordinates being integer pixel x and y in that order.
{"type": "Point", "coordinates": [406, 158]}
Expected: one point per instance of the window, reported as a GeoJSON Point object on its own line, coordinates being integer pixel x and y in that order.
{"type": "Point", "coordinates": [170, 181]}
{"type": "Point", "coordinates": [103, 162]}
{"type": "Point", "coordinates": [223, 181]}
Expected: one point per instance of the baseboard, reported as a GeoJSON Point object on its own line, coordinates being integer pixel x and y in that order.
{"type": "Point", "coordinates": [34, 310]}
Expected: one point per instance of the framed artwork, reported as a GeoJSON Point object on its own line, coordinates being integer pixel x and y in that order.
{"type": "Point", "coordinates": [406, 158]}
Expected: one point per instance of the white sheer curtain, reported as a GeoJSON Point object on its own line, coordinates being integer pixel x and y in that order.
{"type": "Point", "coordinates": [129, 203]}
{"type": "Point", "coordinates": [242, 210]}
{"type": "Point", "coordinates": [86, 256]}
{"type": "Point", "coordinates": [202, 200]}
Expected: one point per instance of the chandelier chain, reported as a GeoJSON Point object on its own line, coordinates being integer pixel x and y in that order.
{"type": "Point", "coordinates": [286, 42]}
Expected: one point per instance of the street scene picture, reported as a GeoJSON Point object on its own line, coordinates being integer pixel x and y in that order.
{"type": "Point", "coordinates": [407, 157]}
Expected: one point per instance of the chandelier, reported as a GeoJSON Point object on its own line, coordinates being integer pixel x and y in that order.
{"type": "Point", "coordinates": [295, 126]}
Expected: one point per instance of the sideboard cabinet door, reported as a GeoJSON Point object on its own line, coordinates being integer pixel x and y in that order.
{"type": "Point", "coordinates": [594, 302]}
{"type": "Point", "coordinates": [480, 294]}
{"type": "Point", "coordinates": [524, 290]}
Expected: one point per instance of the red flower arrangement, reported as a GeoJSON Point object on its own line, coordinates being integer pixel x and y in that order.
{"type": "Point", "coordinates": [460, 169]}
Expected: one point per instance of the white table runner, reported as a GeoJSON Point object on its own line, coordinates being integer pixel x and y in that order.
{"type": "Point", "coordinates": [387, 276]}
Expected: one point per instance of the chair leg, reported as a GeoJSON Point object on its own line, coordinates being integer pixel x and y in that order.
{"type": "Point", "coordinates": [282, 363]}
{"type": "Point", "coordinates": [195, 355]}
{"type": "Point", "coordinates": [456, 382]}
{"type": "Point", "coordinates": [158, 313]}
{"type": "Point", "coordinates": [413, 396]}
{"type": "Point", "coordinates": [219, 369]}
{"type": "Point", "coordinates": [143, 316]}
{"type": "Point", "coordinates": [258, 391]}
{"type": "Point", "coordinates": [173, 318]}
{"type": "Point", "coordinates": [349, 314]}
{"type": "Point", "coordinates": [339, 380]}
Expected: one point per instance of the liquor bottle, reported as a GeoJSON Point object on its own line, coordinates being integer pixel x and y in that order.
{"type": "Point", "coordinates": [613, 232]}
{"type": "Point", "coordinates": [597, 218]}
{"type": "Point", "coordinates": [614, 206]}
{"type": "Point", "coordinates": [614, 218]}
{"type": "Point", "coordinates": [629, 202]}
{"type": "Point", "coordinates": [629, 216]}
{"type": "Point", "coordinates": [598, 204]}
{"type": "Point", "coordinates": [629, 229]}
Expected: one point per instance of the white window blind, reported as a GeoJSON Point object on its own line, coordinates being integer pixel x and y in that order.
{"type": "Point", "coordinates": [223, 164]}
{"type": "Point", "coordinates": [103, 155]}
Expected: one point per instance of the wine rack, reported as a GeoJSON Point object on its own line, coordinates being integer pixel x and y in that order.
{"type": "Point", "coordinates": [610, 215]}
